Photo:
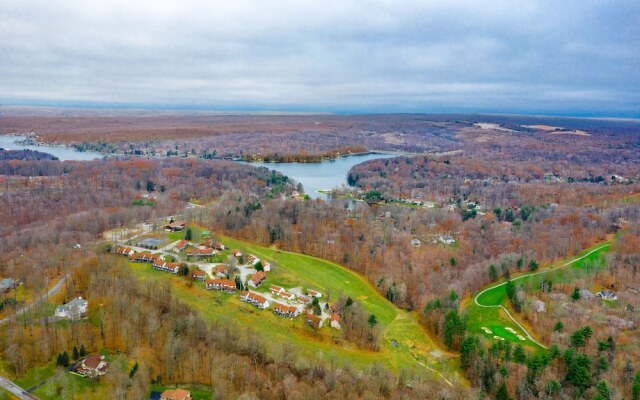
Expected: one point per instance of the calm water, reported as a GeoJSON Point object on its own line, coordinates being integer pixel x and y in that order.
{"type": "Point", "coordinates": [321, 175]}
{"type": "Point", "coordinates": [63, 153]}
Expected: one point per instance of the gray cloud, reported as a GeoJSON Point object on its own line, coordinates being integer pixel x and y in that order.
{"type": "Point", "coordinates": [569, 57]}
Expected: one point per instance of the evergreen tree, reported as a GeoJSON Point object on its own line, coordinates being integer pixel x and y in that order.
{"type": "Point", "coordinates": [575, 295]}
{"type": "Point", "coordinates": [519, 355]}
{"type": "Point", "coordinates": [502, 393]}
{"type": "Point", "coordinates": [558, 327]}
{"type": "Point", "coordinates": [602, 391]}
{"type": "Point", "coordinates": [372, 320]}
{"type": "Point", "coordinates": [133, 370]}
{"type": "Point", "coordinates": [468, 351]}
{"type": "Point", "coordinates": [64, 359]}
{"type": "Point", "coordinates": [635, 387]}
{"type": "Point", "coordinates": [533, 265]}
{"type": "Point", "coordinates": [552, 387]}
{"type": "Point", "coordinates": [493, 272]}
{"type": "Point", "coordinates": [75, 353]}
{"type": "Point", "coordinates": [188, 235]}
{"type": "Point", "coordinates": [83, 351]}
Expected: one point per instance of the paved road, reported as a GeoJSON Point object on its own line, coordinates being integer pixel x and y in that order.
{"type": "Point", "coordinates": [55, 289]}
{"type": "Point", "coordinates": [16, 390]}
{"type": "Point", "coordinates": [475, 300]}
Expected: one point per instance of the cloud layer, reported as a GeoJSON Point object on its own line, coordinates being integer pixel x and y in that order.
{"type": "Point", "coordinates": [569, 57]}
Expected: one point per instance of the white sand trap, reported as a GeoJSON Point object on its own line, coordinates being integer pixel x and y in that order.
{"type": "Point", "coordinates": [521, 337]}
{"type": "Point", "coordinates": [486, 330]}
{"type": "Point", "coordinates": [510, 330]}
{"type": "Point", "coordinates": [498, 338]}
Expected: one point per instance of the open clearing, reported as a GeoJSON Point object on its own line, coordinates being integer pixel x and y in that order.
{"type": "Point", "coordinates": [289, 270]}
{"type": "Point", "coordinates": [488, 316]}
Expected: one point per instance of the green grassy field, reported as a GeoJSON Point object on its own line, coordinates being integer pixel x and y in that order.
{"type": "Point", "coordinates": [332, 280]}
{"type": "Point", "coordinates": [496, 320]}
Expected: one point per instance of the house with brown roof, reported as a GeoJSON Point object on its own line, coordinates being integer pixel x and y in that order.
{"type": "Point", "coordinates": [175, 394]}
{"type": "Point", "coordinates": [143, 257]}
{"type": "Point", "coordinates": [123, 251]}
{"type": "Point", "coordinates": [161, 265]}
{"type": "Point", "coordinates": [284, 310]}
{"type": "Point", "coordinates": [175, 226]}
{"type": "Point", "coordinates": [226, 285]}
{"type": "Point", "coordinates": [335, 321]}
{"type": "Point", "coordinates": [254, 298]}
{"type": "Point", "coordinates": [314, 293]}
{"type": "Point", "coordinates": [287, 295]}
{"type": "Point", "coordinates": [220, 271]}
{"type": "Point", "coordinates": [266, 266]}
{"type": "Point", "coordinates": [92, 366]}
{"type": "Point", "coordinates": [199, 275]}
{"type": "Point", "coordinates": [200, 252]}
{"type": "Point", "coordinates": [314, 321]}
{"type": "Point", "coordinates": [236, 253]}
{"type": "Point", "coordinates": [275, 289]}
{"type": "Point", "coordinates": [257, 279]}
{"type": "Point", "coordinates": [181, 245]}
{"type": "Point", "coordinates": [251, 259]}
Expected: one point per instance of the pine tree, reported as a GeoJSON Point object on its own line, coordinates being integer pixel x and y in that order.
{"type": "Point", "coordinates": [133, 370]}
{"type": "Point", "coordinates": [502, 393]}
{"type": "Point", "coordinates": [83, 352]}
{"type": "Point", "coordinates": [575, 295]}
{"type": "Point", "coordinates": [75, 353]}
{"type": "Point", "coordinates": [635, 388]}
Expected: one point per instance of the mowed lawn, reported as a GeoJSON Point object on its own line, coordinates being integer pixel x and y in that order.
{"type": "Point", "coordinates": [403, 339]}
{"type": "Point", "coordinates": [496, 320]}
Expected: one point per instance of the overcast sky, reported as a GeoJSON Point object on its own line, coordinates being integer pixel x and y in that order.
{"type": "Point", "coordinates": [550, 57]}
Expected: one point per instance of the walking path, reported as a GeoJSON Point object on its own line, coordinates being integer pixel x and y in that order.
{"type": "Point", "coordinates": [475, 300]}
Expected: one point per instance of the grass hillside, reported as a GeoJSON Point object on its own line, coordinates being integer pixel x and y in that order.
{"type": "Point", "coordinates": [332, 280]}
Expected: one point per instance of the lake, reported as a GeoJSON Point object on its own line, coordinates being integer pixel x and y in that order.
{"type": "Point", "coordinates": [63, 153]}
{"type": "Point", "coordinates": [321, 175]}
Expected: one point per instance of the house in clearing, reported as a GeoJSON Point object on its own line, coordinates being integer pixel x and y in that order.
{"type": "Point", "coordinates": [255, 299]}
{"type": "Point", "coordinates": [74, 310]}
{"type": "Point", "coordinates": [607, 295]}
{"type": "Point", "coordinates": [539, 306]}
{"type": "Point", "coordinates": [284, 310]}
{"type": "Point", "coordinates": [314, 321]}
{"type": "Point", "coordinates": [314, 293]}
{"type": "Point", "coordinates": [226, 285]}
{"type": "Point", "coordinates": [236, 253]}
{"type": "Point", "coordinates": [446, 239]}
{"type": "Point", "coordinates": [181, 245]}
{"type": "Point", "coordinates": [199, 275]}
{"type": "Point", "coordinates": [257, 279]}
{"type": "Point", "coordinates": [161, 265]}
{"type": "Point", "coordinates": [175, 226]}
{"type": "Point", "coordinates": [266, 266]}
{"type": "Point", "coordinates": [335, 321]}
{"type": "Point", "coordinates": [7, 284]}
{"type": "Point", "coordinates": [175, 394]}
{"type": "Point", "coordinates": [123, 251]}
{"type": "Point", "coordinates": [92, 366]}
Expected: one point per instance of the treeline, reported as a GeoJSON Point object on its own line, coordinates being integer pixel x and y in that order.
{"type": "Point", "coordinates": [171, 344]}
{"type": "Point", "coordinates": [6, 155]}
{"type": "Point", "coordinates": [305, 156]}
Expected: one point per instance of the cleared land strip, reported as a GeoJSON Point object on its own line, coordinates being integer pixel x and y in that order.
{"type": "Point", "coordinates": [475, 300]}
{"type": "Point", "coordinates": [16, 390]}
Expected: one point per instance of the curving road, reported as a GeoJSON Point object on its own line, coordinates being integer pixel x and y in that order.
{"type": "Point", "coordinates": [475, 299]}
{"type": "Point", "coordinates": [55, 289]}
